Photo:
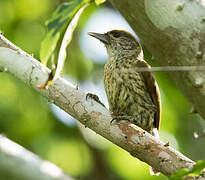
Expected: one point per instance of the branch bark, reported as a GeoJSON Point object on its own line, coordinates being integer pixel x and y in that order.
{"type": "Point", "coordinates": [18, 163]}
{"type": "Point", "coordinates": [131, 138]}
{"type": "Point", "coordinates": [174, 32]}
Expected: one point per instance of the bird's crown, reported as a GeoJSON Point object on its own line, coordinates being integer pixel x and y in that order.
{"type": "Point", "coordinates": [119, 43]}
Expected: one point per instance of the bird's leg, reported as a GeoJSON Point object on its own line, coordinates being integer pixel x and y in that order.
{"type": "Point", "coordinates": [94, 97]}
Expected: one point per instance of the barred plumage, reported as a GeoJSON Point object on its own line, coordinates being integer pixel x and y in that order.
{"type": "Point", "coordinates": [132, 95]}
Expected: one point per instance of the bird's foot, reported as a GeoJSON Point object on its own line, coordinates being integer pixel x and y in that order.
{"type": "Point", "coordinates": [120, 118]}
{"type": "Point", "coordinates": [94, 97]}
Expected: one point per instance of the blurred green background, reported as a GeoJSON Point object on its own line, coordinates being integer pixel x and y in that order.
{"type": "Point", "coordinates": [30, 120]}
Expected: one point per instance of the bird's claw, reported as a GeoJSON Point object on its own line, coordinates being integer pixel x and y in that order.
{"type": "Point", "coordinates": [119, 118]}
{"type": "Point", "coordinates": [113, 119]}
{"type": "Point", "coordinates": [166, 145]}
{"type": "Point", "coordinates": [94, 97]}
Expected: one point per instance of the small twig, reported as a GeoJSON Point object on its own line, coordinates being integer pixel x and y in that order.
{"type": "Point", "coordinates": [170, 68]}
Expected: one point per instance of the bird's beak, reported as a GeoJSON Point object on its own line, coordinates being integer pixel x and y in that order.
{"type": "Point", "coordinates": [102, 37]}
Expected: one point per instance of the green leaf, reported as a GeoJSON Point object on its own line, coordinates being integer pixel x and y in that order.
{"type": "Point", "coordinates": [98, 2]}
{"type": "Point", "coordinates": [198, 167]}
{"type": "Point", "coordinates": [66, 40]}
{"type": "Point", "coordinates": [179, 174]}
{"type": "Point", "coordinates": [56, 26]}
{"type": "Point", "coordinates": [196, 170]}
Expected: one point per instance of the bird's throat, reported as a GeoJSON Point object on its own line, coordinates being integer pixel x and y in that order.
{"type": "Point", "coordinates": [124, 55]}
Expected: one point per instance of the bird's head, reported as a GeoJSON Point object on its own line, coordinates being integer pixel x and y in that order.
{"type": "Point", "coordinates": [119, 43]}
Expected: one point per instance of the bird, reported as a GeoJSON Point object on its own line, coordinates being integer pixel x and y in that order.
{"type": "Point", "coordinates": [132, 95]}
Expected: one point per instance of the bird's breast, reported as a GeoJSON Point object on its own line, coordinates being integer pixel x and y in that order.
{"type": "Point", "coordinates": [126, 90]}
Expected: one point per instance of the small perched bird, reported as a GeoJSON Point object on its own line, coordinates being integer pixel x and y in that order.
{"type": "Point", "coordinates": [132, 95]}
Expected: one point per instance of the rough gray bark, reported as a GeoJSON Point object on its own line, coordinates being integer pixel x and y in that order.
{"type": "Point", "coordinates": [18, 163]}
{"type": "Point", "coordinates": [133, 139]}
{"type": "Point", "coordinates": [174, 32]}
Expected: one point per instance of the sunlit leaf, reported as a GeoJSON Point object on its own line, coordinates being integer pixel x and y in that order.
{"type": "Point", "coordinates": [179, 174]}
{"type": "Point", "coordinates": [56, 26]}
{"type": "Point", "coordinates": [66, 40]}
{"type": "Point", "coordinates": [196, 170]}
{"type": "Point", "coordinates": [98, 2]}
{"type": "Point", "coordinates": [198, 167]}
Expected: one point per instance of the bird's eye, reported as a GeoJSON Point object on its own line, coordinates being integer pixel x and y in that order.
{"type": "Point", "coordinates": [116, 34]}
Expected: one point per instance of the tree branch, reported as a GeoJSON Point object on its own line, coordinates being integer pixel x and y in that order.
{"type": "Point", "coordinates": [18, 163]}
{"type": "Point", "coordinates": [174, 32]}
{"type": "Point", "coordinates": [133, 139]}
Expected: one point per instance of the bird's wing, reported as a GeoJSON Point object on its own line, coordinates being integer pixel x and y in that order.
{"type": "Point", "coordinates": [153, 90]}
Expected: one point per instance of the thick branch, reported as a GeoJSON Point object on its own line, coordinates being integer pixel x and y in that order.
{"type": "Point", "coordinates": [124, 134]}
{"type": "Point", "coordinates": [18, 163]}
{"type": "Point", "coordinates": [174, 32]}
